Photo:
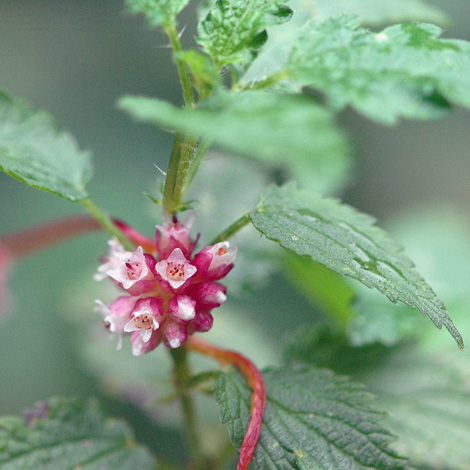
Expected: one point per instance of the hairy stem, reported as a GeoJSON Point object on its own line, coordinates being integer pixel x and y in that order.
{"type": "Point", "coordinates": [181, 375]}
{"type": "Point", "coordinates": [183, 73]}
{"type": "Point", "coordinates": [180, 162]}
{"type": "Point", "coordinates": [255, 381]}
{"type": "Point", "coordinates": [195, 162]}
{"type": "Point", "coordinates": [184, 147]}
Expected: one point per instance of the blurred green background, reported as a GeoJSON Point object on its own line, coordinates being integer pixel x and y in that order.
{"type": "Point", "coordinates": [74, 59]}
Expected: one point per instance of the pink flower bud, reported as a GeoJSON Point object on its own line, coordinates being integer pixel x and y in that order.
{"type": "Point", "coordinates": [209, 295]}
{"type": "Point", "coordinates": [214, 262]}
{"type": "Point", "coordinates": [182, 307]}
{"type": "Point", "coordinates": [203, 321]}
{"type": "Point", "coordinates": [172, 235]}
{"type": "Point", "coordinates": [174, 333]}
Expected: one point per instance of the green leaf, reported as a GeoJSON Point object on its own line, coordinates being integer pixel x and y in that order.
{"type": "Point", "coordinates": [313, 419]}
{"type": "Point", "coordinates": [34, 151]}
{"type": "Point", "coordinates": [67, 434]}
{"type": "Point", "coordinates": [426, 395]}
{"type": "Point", "coordinates": [429, 405]}
{"type": "Point", "coordinates": [205, 76]}
{"type": "Point", "coordinates": [279, 130]}
{"type": "Point", "coordinates": [157, 12]}
{"type": "Point", "coordinates": [275, 52]}
{"type": "Point", "coordinates": [234, 30]}
{"type": "Point", "coordinates": [403, 71]}
{"type": "Point", "coordinates": [372, 12]}
{"type": "Point", "coordinates": [347, 242]}
{"type": "Point", "coordinates": [438, 240]}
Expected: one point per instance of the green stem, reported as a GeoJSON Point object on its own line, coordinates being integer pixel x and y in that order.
{"type": "Point", "coordinates": [267, 82]}
{"type": "Point", "coordinates": [181, 376]}
{"type": "Point", "coordinates": [195, 162]}
{"type": "Point", "coordinates": [107, 223]}
{"type": "Point", "coordinates": [232, 229]}
{"type": "Point", "coordinates": [180, 163]}
{"type": "Point", "coordinates": [169, 204]}
{"type": "Point", "coordinates": [183, 146]}
{"type": "Point", "coordinates": [183, 73]}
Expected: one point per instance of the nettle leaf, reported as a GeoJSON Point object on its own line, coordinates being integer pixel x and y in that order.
{"type": "Point", "coordinates": [67, 434]}
{"type": "Point", "coordinates": [234, 30]}
{"type": "Point", "coordinates": [275, 52]}
{"type": "Point", "coordinates": [157, 12]}
{"type": "Point", "coordinates": [347, 242]}
{"type": "Point", "coordinates": [438, 240]}
{"type": "Point", "coordinates": [372, 12]}
{"type": "Point", "coordinates": [313, 420]}
{"type": "Point", "coordinates": [403, 71]}
{"type": "Point", "coordinates": [429, 404]}
{"type": "Point", "coordinates": [35, 151]}
{"type": "Point", "coordinates": [425, 394]}
{"type": "Point", "coordinates": [280, 130]}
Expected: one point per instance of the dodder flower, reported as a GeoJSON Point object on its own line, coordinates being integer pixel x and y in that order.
{"type": "Point", "coordinates": [170, 293]}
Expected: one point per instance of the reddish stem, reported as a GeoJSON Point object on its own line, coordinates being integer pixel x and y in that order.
{"type": "Point", "coordinates": [44, 235]}
{"type": "Point", "coordinates": [136, 237]}
{"type": "Point", "coordinates": [28, 241]}
{"type": "Point", "coordinates": [255, 381]}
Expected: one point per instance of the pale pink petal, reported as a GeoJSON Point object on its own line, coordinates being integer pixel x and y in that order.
{"type": "Point", "coordinates": [176, 270]}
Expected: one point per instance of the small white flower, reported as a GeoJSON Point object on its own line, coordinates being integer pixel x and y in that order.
{"type": "Point", "coordinates": [176, 269]}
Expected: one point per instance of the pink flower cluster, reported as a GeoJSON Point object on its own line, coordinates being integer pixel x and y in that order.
{"type": "Point", "coordinates": [170, 294]}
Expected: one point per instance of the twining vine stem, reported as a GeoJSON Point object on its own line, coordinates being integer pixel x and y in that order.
{"type": "Point", "coordinates": [255, 381]}
{"type": "Point", "coordinates": [47, 234]}
{"type": "Point", "coordinates": [181, 375]}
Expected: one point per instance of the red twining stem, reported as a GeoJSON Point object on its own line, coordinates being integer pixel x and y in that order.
{"type": "Point", "coordinates": [44, 235]}
{"type": "Point", "coordinates": [135, 237]}
{"type": "Point", "coordinates": [50, 233]}
{"type": "Point", "coordinates": [255, 381]}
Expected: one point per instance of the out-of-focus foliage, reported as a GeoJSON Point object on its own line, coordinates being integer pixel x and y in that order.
{"type": "Point", "coordinates": [33, 150]}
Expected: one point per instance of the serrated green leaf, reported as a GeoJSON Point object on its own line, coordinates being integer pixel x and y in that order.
{"type": "Point", "coordinates": [347, 242]}
{"type": "Point", "coordinates": [234, 30]}
{"type": "Point", "coordinates": [310, 416]}
{"type": "Point", "coordinates": [35, 151]}
{"type": "Point", "coordinates": [373, 12]}
{"type": "Point", "coordinates": [157, 12]}
{"type": "Point", "coordinates": [68, 434]}
{"type": "Point", "coordinates": [403, 71]}
{"type": "Point", "coordinates": [429, 405]}
{"type": "Point", "coordinates": [438, 239]}
{"type": "Point", "coordinates": [280, 130]}
{"type": "Point", "coordinates": [426, 395]}
{"type": "Point", "coordinates": [275, 52]}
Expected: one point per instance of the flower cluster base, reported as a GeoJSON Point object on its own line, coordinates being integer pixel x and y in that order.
{"type": "Point", "coordinates": [169, 293]}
